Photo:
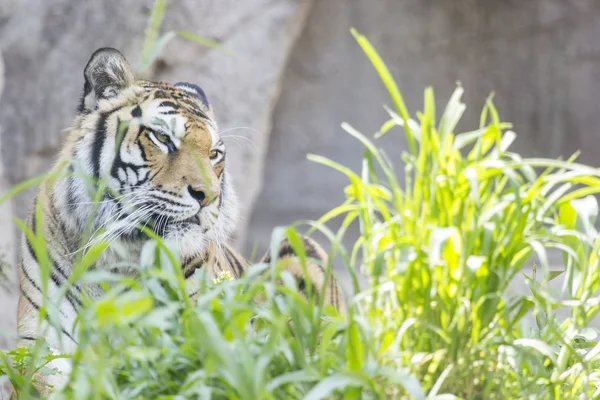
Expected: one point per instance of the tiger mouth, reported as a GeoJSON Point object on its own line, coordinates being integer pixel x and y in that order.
{"type": "Point", "coordinates": [160, 222]}
{"type": "Point", "coordinates": [162, 225]}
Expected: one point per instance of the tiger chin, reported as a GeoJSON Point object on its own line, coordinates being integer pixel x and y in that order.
{"type": "Point", "coordinates": [155, 150]}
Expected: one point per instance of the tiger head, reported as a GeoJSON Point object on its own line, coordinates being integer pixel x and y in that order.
{"type": "Point", "coordinates": [157, 150]}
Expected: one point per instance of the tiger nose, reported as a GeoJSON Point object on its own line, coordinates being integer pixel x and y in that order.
{"type": "Point", "coordinates": [203, 195]}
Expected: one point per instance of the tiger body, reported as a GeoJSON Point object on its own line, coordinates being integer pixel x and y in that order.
{"type": "Point", "coordinates": [139, 153]}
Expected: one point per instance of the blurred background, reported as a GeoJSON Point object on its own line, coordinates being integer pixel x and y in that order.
{"type": "Point", "coordinates": [293, 76]}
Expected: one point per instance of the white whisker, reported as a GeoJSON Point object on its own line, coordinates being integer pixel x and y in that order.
{"type": "Point", "coordinates": [136, 217]}
{"type": "Point", "coordinates": [235, 137]}
{"type": "Point", "coordinates": [97, 239]}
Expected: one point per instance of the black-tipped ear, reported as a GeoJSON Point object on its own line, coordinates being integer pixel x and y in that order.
{"type": "Point", "coordinates": [106, 74]}
{"type": "Point", "coordinates": [195, 90]}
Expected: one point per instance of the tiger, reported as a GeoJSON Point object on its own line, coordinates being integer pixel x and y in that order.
{"type": "Point", "coordinates": [156, 149]}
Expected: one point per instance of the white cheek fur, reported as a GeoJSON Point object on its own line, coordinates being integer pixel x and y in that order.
{"type": "Point", "coordinates": [193, 240]}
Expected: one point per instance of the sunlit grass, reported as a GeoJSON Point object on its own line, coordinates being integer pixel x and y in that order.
{"type": "Point", "coordinates": [437, 320]}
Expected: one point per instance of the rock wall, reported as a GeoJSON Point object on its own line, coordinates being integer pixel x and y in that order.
{"type": "Point", "coordinates": [7, 273]}
{"type": "Point", "coordinates": [7, 249]}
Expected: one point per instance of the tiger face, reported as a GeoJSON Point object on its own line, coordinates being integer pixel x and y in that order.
{"type": "Point", "coordinates": [157, 149]}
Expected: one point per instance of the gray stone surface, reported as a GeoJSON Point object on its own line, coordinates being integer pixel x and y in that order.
{"type": "Point", "coordinates": [7, 250]}
{"type": "Point", "coordinates": [7, 274]}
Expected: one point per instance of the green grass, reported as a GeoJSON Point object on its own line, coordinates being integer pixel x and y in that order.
{"type": "Point", "coordinates": [437, 320]}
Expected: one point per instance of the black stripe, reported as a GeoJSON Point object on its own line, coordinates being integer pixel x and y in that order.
{"type": "Point", "coordinates": [190, 103]}
{"type": "Point", "coordinates": [73, 299]}
{"type": "Point", "coordinates": [217, 263]}
{"type": "Point", "coordinates": [98, 143]}
{"type": "Point", "coordinates": [302, 287]}
{"type": "Point", "coordinates": [235, 265]}
{"type": "Point", "coordinates": [70, 297]}
{"type": "Point", "coordinates": [155, 172]}
{"type": "Point", "coordinates": [190, 271]}
{"type": "Point", "coordinates": [136, 112]}
{"type": "Point", "coordinates": [143, 175]}
{"type": "Point", "coordinates": [168, 191]}
{"type": "Point", "coordinates": [69, 335]}
{"type": "Point", "coordinates": [99, 138]}
{"type": "Point", "coordinates": [57, 220]}
{"type": "Point", "coordinates": [169, 104]}
{"type": "Point", "coordinates": [168, 201]}
{"type": "Point", "coordinates": [199, 113]}
{"type": "Point", "coordinates": [58, 268]}
{"type": "Point", "coordinates": [37, 307]}
{"type": "Point", "coordinates": [87, 88]}
{"type": "Point", "coordinates": [71, 200]}
{"type": "Point", "coordinates": [62, 273]}
{"type": "Point", "coordinates": [190, 266]}
{"type": "Point", "coordinates": [141, 130]}
{"type": "Point", "coordinates": [142, 180]}
{"type": "Point", "coordinates": [121, 133]}
{"type": "Point", "coordinates": [286, 250]}
{"type": "Point", "coordinates": [117, 163]}
{"type": "Point", "coordinates": [310, 250]}
{"type": "Point", "coordinates": [31, 251]}
{"type": "Point", "coordinates": [53, 276]}
{"type": "Point", "coordinates": [133, 167]}
{"type": "Point", "coordinates": [57, 281]}
{"type": "Point", "coordinates": [26, 275]}
{"type": "Point", "coordinates": [30, 301]}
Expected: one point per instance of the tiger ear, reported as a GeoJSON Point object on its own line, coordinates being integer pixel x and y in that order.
{"type": "Point", "coordinates": [106, 74]}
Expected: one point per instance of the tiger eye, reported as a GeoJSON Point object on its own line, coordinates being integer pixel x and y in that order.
{"type": "Point", "coordinates": [161, 137]}
{"type": "Point", "coordinates": [213, 154]}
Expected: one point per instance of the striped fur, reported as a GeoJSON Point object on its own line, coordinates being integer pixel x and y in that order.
{"type": "Point", "coordinates": [155, 147]}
